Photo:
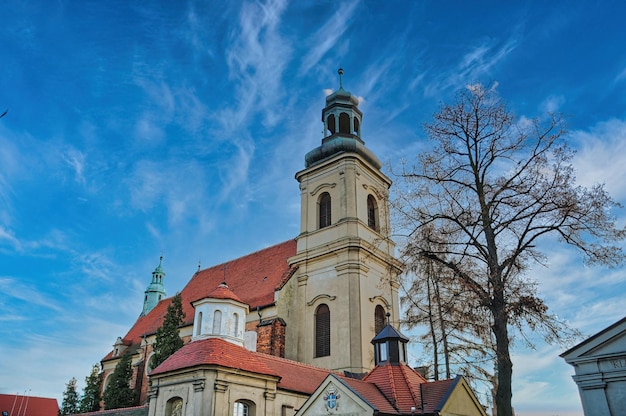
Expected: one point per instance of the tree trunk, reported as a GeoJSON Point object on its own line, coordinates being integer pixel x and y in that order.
{"type": "Point", "coordinates": [442, 324]}
{"type": "Point", "coordinates": [432, 327]}
{"type": "Point", "coordinates": [503, 357]}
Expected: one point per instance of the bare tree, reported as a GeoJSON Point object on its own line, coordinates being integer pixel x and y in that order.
{"type": "Point", "coordinates": [491, 189]}
{"type": "Point", "coordinates": [434, 299]}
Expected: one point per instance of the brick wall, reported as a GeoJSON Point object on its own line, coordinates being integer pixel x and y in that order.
{"type": "Point", "coordinates": [271, 337]}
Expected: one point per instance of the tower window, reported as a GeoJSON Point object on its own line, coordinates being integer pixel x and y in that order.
{"type": "Point", "coordinates": [357, 126]}
{"type": "Point", "coordinates": [372, 213]}
{"type": "Point", "coordinates": [217, 322]}
{"type": "Point", "coordinates": [330, 123]}
{"type": "Point", "coordinates": [322, 331]}
{"type": "Point", "coordinates": [199, 324]}
{"type": "Point", "coordinates": [236, 325]}
{"type": "Point", "coordinates": [344, 123]}
{"type": "Point", "coordinates": [379, 319]}
{"type": "Point", "coordinates": [324, 210]}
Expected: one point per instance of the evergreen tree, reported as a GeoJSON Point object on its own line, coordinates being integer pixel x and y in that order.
{"type": "Point", "coordinates": [168, 339]}
{"type": "Point", "coordinates": [90, 402]}
{"type": "Point", "coordinates": [118, 392]}
{"type": "Point", "coordinates": [69, 406]}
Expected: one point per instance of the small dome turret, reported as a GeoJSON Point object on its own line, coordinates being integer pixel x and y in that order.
{"type": "Point", "coordinates": [155, 290]}
{"type": "Point", "coordinates": [342, 128]}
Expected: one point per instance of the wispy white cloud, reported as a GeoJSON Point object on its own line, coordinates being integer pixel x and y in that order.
{"type": "Point", "coordinates": [601, 156]}
{"type": "Point", "coordinates": [75, 159]}
{"type": "Point", "coordinates": [325, 38]}
{"type": "Point", "coordinates": [27, 293]}
{"type": "Point", "coordinates": [473, 66]}
{"type": "Point", "coordinates": [621, 76]}
{"type": "Point", "coordinates": [552, 104]}
{"type": "Point", "coordinates": [9, 237]}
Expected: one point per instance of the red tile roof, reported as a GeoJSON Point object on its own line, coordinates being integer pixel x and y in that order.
{"type": "Point", "coordinates": [390, 389]}
{"type": "Point", "coordinates": [252, 279]}
{"type": "Point", "coordinates": [436, 393]}
{"type": "Point", "coordinates": [222, 292]}
{"type": "Point", "coordinates": [293, 376]}
{"type": "Point", "coordinates": [371, 394]}
{"type": "Point", "coordinates": [18, 405]}
{"type": "Point", "coordinates": [399, 383]}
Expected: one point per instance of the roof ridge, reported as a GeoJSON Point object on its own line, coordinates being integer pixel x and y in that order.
{"type": "Point", "coordinates": [392, 384]}
{"type": "Point", "coordinates": [276, 358]}
{"type": "Point", "coordinates": [414, 394]}
{"type": "Point", "coordinates": [244, 256]}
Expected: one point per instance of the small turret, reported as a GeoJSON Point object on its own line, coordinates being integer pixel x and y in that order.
{"type": "Point", "coordinates": [155, 290]}
{"type": "Point", "coordinates": [389, 346]}
{"type": "Point", "coordinates": [342, 128]}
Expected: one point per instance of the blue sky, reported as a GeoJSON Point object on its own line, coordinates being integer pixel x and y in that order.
{"type": "Point", "coordinates": [141, 129]}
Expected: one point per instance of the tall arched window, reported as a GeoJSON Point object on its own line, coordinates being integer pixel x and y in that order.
{"type": "Point", "coordinates": [357, 126]}
{"type": "Point", "coordinates": [324, 210]}
{"type": "Point", "coordinates": [372, 213]}
{"type": "Point", "coordinates": [236, 325]}
{"type": "Point", "coordinates": [344, 123]}
{"type": "Point", "coordinates": [322, 331]}
{"type": "Point", "coordinates": [199, 324]}
{"type": "Point", "coordinates": [379, 319]}
{"type": "Point", "coordinates": [217, 322]}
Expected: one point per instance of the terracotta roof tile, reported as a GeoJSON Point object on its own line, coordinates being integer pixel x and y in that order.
{"type": "Point", "coordinates": [294, 376]}
{"type": "Point", "coordinates": [437, 392]}
{"type": "Point", "coordinates": [399, 383]}
{"type": "Point", "coordinates": [371, 394]}
{"type": "Point", "coordinates": [222, 292]}
{"type": "Point", "coordinates": [28, 405]}
{"type": "Point", "coordinates": [252, 278]}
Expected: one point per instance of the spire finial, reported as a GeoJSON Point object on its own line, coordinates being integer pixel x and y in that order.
{"type": "Point", "coordinates": [224, 267]}
{"type": "Point", "coordinates": [199, 264]}
{"type": "Point", "coordinates": [161, 259]}
{"type": "Point", "coordinates": [388, 318]}
{"type": "Point", "coordinates": [340, 72]}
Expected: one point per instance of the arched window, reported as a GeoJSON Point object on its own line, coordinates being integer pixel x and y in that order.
{"type": "Point", "coordinates": [174, 407]}
{"type": "Point", "coordinates": [330, 123]}
{"type": "Point", "coordinates": [217, 322]}
{"type": "Point", "coordinates": [243, 408]}
{"type": "Point", "coordinates": [344, 123]}
{"type": "Point", "coordinates": [324, 210]}
{"type": "Point", "coordinates": [236, 324]}
{"type": "Point", "coordinates": [372, 213]}
{"type": "Point", "coordinates": [379, 319]}
{"type": "Point", "coordinates": [357, 126]}
{"type": "Point", "coordinates": [199, 324]}
{"type": "Point", "coordinates": [322, 331]}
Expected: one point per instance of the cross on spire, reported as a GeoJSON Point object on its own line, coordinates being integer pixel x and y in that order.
{"type": "Point", "coordinates": [224, 268]}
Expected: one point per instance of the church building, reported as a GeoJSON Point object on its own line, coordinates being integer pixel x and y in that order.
{"type": "Point", "coordinates": [264, 332]}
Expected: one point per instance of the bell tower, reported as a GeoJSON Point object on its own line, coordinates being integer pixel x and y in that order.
{"type": "Point", "coordinates": [347, 272]}
{"type": "Point", "coordinates": [155, 290]}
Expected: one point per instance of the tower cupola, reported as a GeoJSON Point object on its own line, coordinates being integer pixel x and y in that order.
{"type": "Point", "coordinates": [155, 290]}
{"type": "Point", "coordinates": [221, 314]}
{"type": "Point", "coordinates": [342, 128]}
{"type": "Point", "coordinates": [389, 346]}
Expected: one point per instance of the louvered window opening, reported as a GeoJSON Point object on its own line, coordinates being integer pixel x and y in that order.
{"type": "Point", "coordinates": [322, 331]}
{"type": "Point", "coordinates": [324, 210]}
{"type": "Point", "coordinates": [379, 319]}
